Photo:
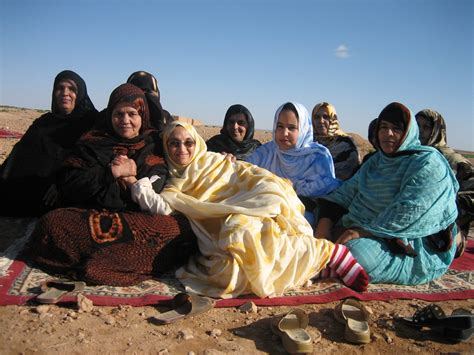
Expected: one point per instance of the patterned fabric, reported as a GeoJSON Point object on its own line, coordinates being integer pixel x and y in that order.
{"type": "Point", "coordinates": [309, 165]}
{"type": "Point", "coordinates": [409, 195]}
{"type": "Point", "coordinates": [109, 248]}
{"type": "Point", "coordinates": [30, 169]}
{"type": "Point", "coordinates": [252, 235]}
{"type": "Point", "coordinates": [341, 146]}
{"type": "Point", "coordinates": [86, 180]}
{"type": "Point", "coordinates": [461, 166]}
{"type": "Point", "coordinates": [224, 143]}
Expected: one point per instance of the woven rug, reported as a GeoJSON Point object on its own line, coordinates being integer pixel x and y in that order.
{"type": "Point", "coordinates": [6, 133]}
{"type": "Point", "coordinates": [19, 285]}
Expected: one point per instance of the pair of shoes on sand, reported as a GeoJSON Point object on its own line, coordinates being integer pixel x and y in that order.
{"type": "Point", "coordinates": [183, 305]}
{"type": "Point", "coordinates": [291, 326]}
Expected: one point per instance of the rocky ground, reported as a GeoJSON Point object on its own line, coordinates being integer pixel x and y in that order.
{"type": "Point", "coordinates": [84, 328]}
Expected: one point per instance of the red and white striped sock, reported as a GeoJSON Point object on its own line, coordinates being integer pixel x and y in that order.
{"type": "Point", "coordinates": [349, 270]}
{"type": "Point", "coordinates": [327, 273]}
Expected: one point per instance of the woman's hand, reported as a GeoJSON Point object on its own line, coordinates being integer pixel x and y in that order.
{"type": "Point", "coordinates": [351, 234]}
{"type": "Point", "coordinates": [229, 156]}
{"type": "Point", "coordinates": [122, 167]}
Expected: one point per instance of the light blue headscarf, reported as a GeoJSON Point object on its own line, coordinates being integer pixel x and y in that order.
{"type": "Point", "coordinates": [408, 195]}
{"type": "Point", "coordinates": [308, 165]}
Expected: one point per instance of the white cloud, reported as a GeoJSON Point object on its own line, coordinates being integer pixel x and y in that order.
{"type": "Point", "coordinates": [342, 51]}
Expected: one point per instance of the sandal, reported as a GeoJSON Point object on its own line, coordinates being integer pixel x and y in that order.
{"type": "Point", "coordinates": [184, 305]}
{"type": "Point", "coordinates": [354, 316]}
{"type": "Point", "coordinates": [55, 290]}
{"type": "Point", "coordinates": [291, 328]}
{"type": "Point", "coordinates": [459, 326]}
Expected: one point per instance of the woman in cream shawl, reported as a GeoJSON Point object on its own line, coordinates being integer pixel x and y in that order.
{"type": "Point", "coordinates": [252, 235]}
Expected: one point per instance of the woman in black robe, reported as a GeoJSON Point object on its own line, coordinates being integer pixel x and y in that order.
{"type": "Point", "coordinates": [106, 239]}
{"type": "Point", "coordinates": [236, 135]}
{"type": "Point", "coordinates": [28, 175]}
{"type": "Point", "coordinates": [148, 83]}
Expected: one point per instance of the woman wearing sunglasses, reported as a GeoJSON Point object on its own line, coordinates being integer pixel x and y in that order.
{"type": "Point", "coordinates": [252, 235]}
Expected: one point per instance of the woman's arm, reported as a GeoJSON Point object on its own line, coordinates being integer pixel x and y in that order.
{"type": "Point", "coordinates": [142, 193]}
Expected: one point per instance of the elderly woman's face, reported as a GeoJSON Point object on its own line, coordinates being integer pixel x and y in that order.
{"type": "Point", "coordinates": [390, 137]}
{"type": "Point", "coordinates": [126, 121]}
{"type": "Point", "coordinates": [321, 122]}
{"type": "Point", "coordinates": [181, 146]}
{"type": "Point", "coordinates": [426, 127]}
{"type": "Point", "coordinates": [236, 127]}
{"type": "Point", "coordinates": [65, 94]}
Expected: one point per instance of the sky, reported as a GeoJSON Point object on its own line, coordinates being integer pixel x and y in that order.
{"type": "Point", "coordinates": [359, 55]}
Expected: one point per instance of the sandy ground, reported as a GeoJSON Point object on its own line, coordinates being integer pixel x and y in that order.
{"type": "Point", "coordinates": [110, 330]}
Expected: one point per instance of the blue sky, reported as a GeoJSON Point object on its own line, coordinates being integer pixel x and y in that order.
{"type": "Point", "coordinates": [208, 55]}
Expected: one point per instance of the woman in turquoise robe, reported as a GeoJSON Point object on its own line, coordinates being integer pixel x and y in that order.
{"type": "Point", "coordinates": [398, 210]}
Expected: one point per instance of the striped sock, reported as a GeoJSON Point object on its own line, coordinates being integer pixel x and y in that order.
{"type": "Point", "coordinates": [349, 270]}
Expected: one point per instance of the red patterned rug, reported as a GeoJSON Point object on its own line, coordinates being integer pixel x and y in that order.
{"type": "Point", "coordinates": [19, 284]}
{"type": "Point", "coordinates": [6, 133]}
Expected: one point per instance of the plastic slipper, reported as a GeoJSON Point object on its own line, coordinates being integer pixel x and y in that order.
{"type": "Point", "coordinates": [291, 328]}
{"type": "Point", "coordinates": [184, 305]}
{"type": "Point", "coordinates": [354, 316]}
{"type": "Point", "coordinates": [464, 333]}
{"type": "Point", "coordinates": [55, 290]}
{"type": "Point", "coordinates": [459, 326]}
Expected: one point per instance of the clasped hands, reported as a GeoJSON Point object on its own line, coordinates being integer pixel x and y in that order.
{"type": "Point", "coordinates": [123, 168]}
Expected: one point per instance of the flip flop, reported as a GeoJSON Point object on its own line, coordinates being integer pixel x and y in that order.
{"type": "Point", "coordinates": [459, 326]}
{"type": "Point", "coordinates": [291, 328]}
{"type": "Point", "coordinates": [55, 290]}
{"type": "Point", "coordinates": [354, 316]}
{"type": "Point", "coordinates": [184, 305]}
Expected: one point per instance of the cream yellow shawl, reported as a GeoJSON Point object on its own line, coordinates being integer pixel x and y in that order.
{"type": "Point", "coordinates": [252, 235]}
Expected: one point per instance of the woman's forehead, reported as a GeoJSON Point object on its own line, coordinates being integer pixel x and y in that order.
{"type": "Point", "coordinates": [65, 82]}
{"type": "Point", "coordinates": [180, 131]}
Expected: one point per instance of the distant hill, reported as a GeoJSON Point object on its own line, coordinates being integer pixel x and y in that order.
{"type": "Point", "coordinates": [19, 119]}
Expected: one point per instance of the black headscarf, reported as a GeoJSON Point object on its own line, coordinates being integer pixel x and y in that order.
{"type": "Point", "coordinates": [83, 102]}
{"type": "Point", "coordinates": [224, 143]}
{"type": "Point", "coordinates": [148, 83]}
{"type": "Point", "coordinates": [40, 151]}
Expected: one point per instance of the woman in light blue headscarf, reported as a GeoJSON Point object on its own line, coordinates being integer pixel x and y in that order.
{"type": "Point", "coordinates": [398, 210]}
{"type": "Point", "coordinates": [292, 154]}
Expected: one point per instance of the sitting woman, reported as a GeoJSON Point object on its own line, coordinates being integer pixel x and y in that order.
{"type": "Point", "coordinates": [236, 135]}
{"type": "Point", "coordinates": [148, 83]}
{"type": "Point", "coordinates": [398, 210]}
{"type": "Point", "coordinates": [292, 154]}
{"type": "Point", "coordinates": [433, 133]}
{"type": "Point", "coordinates": [108, 240]}
{"type": "Point", "coordinates": [327, 132]}
{"type": "Point", "coordinates": [28, 175]}
{"type": "Point", "coordinates": [252, 235]}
